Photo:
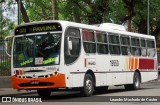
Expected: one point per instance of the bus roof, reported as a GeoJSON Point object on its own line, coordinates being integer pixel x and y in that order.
{"type": "Point", "coordinates": [65, 24]}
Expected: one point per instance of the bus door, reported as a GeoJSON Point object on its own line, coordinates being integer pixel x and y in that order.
{"type": "Point", "coordinates": [72, 48]}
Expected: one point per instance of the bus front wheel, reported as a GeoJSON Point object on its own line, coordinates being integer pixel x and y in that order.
{"type": "Point", "coordinates": [88, 87]}
{"type": "Point", "coordinates": [136, 82]}
{"type": "Point", "coordinates": [44, 93]}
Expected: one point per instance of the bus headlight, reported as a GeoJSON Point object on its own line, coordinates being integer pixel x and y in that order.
{"type": "Point", "coordinates": [19, 72]}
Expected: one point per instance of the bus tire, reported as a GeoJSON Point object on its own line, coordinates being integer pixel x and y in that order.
{"type": "Point", "coordinates": [88, 87]}
{"type": "Point", "coordinates": [136, 82]}
{"type": "Point", "coordinates": [44, 93]}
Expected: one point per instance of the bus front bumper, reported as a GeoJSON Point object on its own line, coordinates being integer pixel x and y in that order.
{"type": "Point", "coordinates": [55, 81]}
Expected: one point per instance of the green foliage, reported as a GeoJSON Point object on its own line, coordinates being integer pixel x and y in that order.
{"type": "Point", "coordinates": [5, 64]}
{"type": "Point", "coordinates": [67, 11]}
{"type": "Point", "coordinates": [39, 10]}
{"type": "Point", "coordinates": [5, 68]}
{"type": "Point", "coordinates": [117, 11]}
{"type": "Point", "coordinates": [6, 25]}
{"type": "Point", "coordinates": [91, 12]}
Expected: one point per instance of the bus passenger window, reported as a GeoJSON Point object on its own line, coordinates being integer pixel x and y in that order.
{"type": "Point", "coordinates": [114, 45]}
{"type": "Point", "coordinates": [143, 52]}
{"type": "Point", "coordinates": [89, 41]}
{"type": "Point", "coordinates": [102, 46]}
{"type": "Point", "coordinates": [151, 52]}
{"type": "Point", "coordinates": [89, 47]}
{"type": "Point", "coordinates": [143, 48]}
{"type": "Point", "coordinates": [135, 50]}
{"type": "Point", "coordinates": [114, 49]}
{"type": "Point", "coordinates": [125, 50]}
{"type": "Point", "coordinates": [125, 45]}
{"type": "Point", "coordinates": [88, 35]}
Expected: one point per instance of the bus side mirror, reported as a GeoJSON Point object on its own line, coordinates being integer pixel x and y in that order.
{"type": "Point", "coordinates": [70, 45]}
{"type": "Point", "coordinates": [6, 45]}
{"type": "Point", "coordinates": [69, 42]}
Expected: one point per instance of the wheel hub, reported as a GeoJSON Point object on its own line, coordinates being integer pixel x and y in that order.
{"type": "Point", "coordinates": [89, 85]}
{"type": "Point", "coordinates": [136, 81]}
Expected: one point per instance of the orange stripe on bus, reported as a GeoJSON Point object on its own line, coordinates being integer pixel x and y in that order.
{"type": "Point", "coordinates": [132, 65]}
{"type": "Point", "coordinates": [136, 63]}
{"type": "Point", "coordinates": [129, 63]}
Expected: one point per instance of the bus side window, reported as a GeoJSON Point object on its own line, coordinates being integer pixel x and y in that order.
{"type": "Point", "coordinates": [102, 46]}
{"type": "Point", "coordinates": [143, 48]}
{"type": "Point", "coordinates": [89, 41]}
{"type": "Point", "coordinates": [151, 51]}
{"type": "Point", "coordinates": [135, 47]}
{"type": "Point", "coordinates": [125, 45]}
{"type": "Point", "coordinates": [114, 45]}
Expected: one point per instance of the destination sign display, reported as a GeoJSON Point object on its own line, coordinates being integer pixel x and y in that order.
{"type": "Point", "coordinates": [46, 27]}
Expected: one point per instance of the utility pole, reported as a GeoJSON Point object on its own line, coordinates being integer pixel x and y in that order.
{"type": "Point", "coordinates": [19, 12]}
{"type": "Point", "coordinates": [55, 9]}
{"type": "Point", "coordinates": [1, 20]}
{"type": "Point", "coordinates": [148, 27]}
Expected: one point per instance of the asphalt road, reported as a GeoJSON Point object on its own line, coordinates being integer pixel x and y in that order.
{"type": "Point", "coordinates": [149, 92]}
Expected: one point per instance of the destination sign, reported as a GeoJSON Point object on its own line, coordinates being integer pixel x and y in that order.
{"type": "Point", "coordinates": [38, 28]}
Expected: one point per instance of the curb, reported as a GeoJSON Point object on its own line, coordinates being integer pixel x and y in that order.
{"type": "Point", "coordinates": [14, 94]}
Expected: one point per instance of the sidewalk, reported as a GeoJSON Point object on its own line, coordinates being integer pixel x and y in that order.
{"type": "Point", "coordinates": [5, 82]}
{"type": "Point", "coordinates": [12, 92]}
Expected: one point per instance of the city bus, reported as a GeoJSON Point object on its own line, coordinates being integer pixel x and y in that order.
{"type": "Point", "coordinates": [60, 55]}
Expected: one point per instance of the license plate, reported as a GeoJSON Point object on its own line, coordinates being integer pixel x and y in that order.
{"type": "Point", "coordinates": [34, 82]}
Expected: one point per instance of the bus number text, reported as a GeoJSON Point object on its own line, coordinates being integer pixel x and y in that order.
{"type": "Point", "coordinates": [114, 62]}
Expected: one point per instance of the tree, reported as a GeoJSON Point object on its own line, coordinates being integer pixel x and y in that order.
{"type": "Point", "coordinates": [92, 10]}
{"type": "Point", "coordinates": [129, 4]}
{"type": "Point", "coordinates": [23, 11]}
{"type": "Point", "coordinates": [140, 20]}
{"type": "Point", "coordinates": [69, 11]}
{"type": "Point", "coordinates": [6, 25]}
{"type": "Point", "coordinates": [138, 15]}
{"type": "Point", "coordinates": [39, 10]}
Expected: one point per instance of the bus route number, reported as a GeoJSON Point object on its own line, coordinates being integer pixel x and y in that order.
{"type": "Point", "coordinates": [114, 62]}
{"type": "Point", "coordinates": [23, 30]}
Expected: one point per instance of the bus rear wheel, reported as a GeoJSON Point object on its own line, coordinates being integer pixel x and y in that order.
{"type": "Point", "coordinates": [136, 82]}
{"type": "Point", "coordinates": [44, 93]}
{"type": "Point", "coordinates": [88, 87]}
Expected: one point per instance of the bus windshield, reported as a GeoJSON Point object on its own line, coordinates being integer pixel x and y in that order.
{"type": "Point", "coordinates": [36, 50]}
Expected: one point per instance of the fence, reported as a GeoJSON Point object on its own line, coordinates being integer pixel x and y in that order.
{"type": "Point", "coordinates": [5, 60]}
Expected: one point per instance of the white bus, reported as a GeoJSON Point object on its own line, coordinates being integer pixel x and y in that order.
{"type": "Point", "coordinates": [52, 55]}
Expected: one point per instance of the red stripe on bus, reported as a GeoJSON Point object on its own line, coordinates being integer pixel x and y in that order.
{"type": "Point", "coordinates": [150, 64]}
{"type": "Point", "coordinates": [146, 63]}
